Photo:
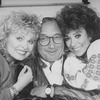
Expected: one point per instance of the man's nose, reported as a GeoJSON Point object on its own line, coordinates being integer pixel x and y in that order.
{"type": "Point", "coordinates": [51, 44]}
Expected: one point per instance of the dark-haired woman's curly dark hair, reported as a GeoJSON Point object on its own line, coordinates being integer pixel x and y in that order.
{"type": "Point", "coordinates": [75, 16]}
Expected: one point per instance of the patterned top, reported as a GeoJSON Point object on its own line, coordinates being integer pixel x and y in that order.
{"type": "Point", "coordinates": [84, 75]}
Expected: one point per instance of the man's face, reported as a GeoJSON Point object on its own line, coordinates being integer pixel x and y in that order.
{"type": "Point", "coordinates": [52, 51]}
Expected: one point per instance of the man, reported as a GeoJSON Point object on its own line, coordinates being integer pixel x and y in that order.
{"type": "Point", "coordinates": [49, 59]}
{"type": "Point", "coordinates": [51, 50]}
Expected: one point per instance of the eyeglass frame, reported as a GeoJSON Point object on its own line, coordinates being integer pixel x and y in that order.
{"type": "Point", "coordinates": [53, 39]}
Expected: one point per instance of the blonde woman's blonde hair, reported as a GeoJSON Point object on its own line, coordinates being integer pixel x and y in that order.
{"type": "Point", "coordinates": [17, 21]}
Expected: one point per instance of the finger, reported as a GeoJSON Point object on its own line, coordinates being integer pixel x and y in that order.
{"type": "Point", "coordinates": [28, 68]}
{"type": "Point", "coordinates": [23, 70]}
{"type": "Point", "coordinates": [52, 91]}
{"type": "Point", "coordinates": [29, 71]}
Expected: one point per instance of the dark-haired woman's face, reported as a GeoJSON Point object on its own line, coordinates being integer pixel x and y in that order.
{"type": "Point", "coordinates": [78, 41]}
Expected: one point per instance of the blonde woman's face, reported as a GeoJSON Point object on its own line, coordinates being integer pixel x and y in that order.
{"type": "Point", "coordinates": [20, 45]}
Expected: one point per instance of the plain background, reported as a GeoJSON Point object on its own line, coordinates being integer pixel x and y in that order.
{"type": "Point", "coordinates": [41, 7]}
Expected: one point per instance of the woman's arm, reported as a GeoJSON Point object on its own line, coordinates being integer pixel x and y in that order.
{"type": "Point", "coordinates": [7, 90]}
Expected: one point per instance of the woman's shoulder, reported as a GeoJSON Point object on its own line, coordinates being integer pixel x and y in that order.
{"type": "Point", "coordinates": [95, 42]}
{"type": "Point", "coordinates": [3, 63]}
{"type": "Point", "coordinates": [94, 48]}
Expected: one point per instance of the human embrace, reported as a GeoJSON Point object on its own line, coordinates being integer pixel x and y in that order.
{"type": "Point", "coordinates": [62, 55]}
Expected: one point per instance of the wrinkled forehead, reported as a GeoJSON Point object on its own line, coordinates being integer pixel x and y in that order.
{"type": "Point", "coordinates": [50, 28]}
{"type": "Point", "coordinates": [26, 32]}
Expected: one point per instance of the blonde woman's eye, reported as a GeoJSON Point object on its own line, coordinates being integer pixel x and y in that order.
{"type": "Point", "coordinates": [19, 38]}
{"type": "Point", "coordinates": [31, 42]}
{"type": "Point", "coordinates": [66, 38]}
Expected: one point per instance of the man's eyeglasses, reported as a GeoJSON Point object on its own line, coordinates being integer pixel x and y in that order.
{"type": "Point", "coordinates": [45, 40]}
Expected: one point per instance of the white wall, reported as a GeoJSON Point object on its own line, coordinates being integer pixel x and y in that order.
{"type": "Point", "coordinates": [95, 4]}
{"type": "Point", "coordinates": [43, 11]}
{"type": "Point", "coordinates": [35, 2]}
{"type": "Point", "coordinates": [29, 6]}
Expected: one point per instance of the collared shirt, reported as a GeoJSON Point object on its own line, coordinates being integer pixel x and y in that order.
{"type": "Point", "coordinates": [53, 74]}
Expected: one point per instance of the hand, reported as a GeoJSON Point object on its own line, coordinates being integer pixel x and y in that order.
{"type": "Point", "coordinates": [24, 78]}
{"type": "Point", "coordinates": [40, 91]}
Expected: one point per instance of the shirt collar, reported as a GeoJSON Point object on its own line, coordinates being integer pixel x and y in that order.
{"type": "Point", "coordinates": [48, 63]}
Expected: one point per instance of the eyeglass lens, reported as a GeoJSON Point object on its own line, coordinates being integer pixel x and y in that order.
{"type": "Point", "coordinates": [45, 40]}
